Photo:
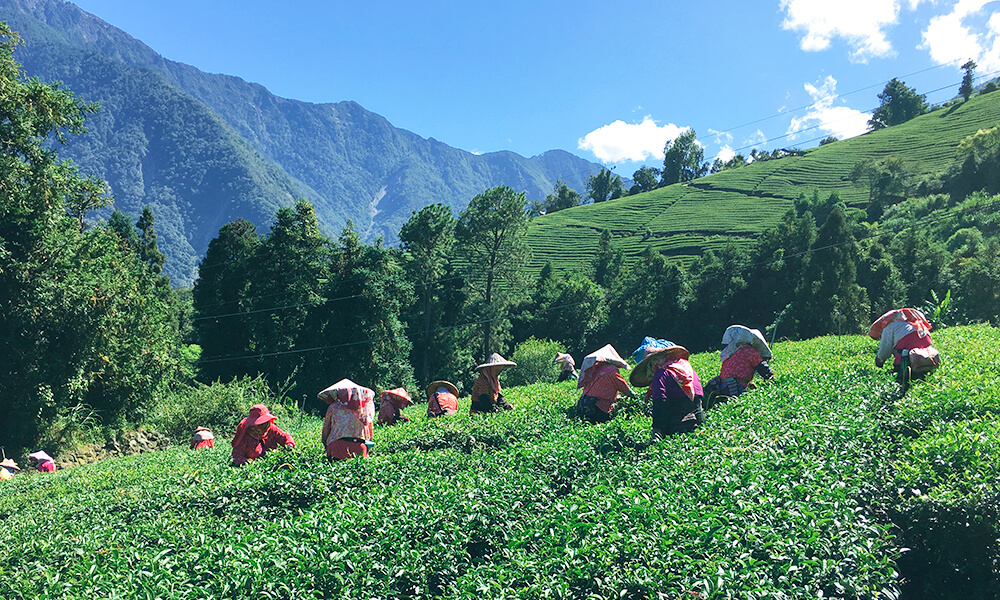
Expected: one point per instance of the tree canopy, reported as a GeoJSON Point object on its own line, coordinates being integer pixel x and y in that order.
{"type": "Point", "coordinates": [683, 159]}
{"type": "Point", "coordinates": [898, 104]}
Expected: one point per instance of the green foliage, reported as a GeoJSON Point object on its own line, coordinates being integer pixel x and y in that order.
{"type": "Point", "coordinates": [683, 159]}
{"type": "Point", "coordinates": [491, 252]}
{"type": "Point", "coordinates": [965, 89]}
{"type": "Point", "coordinates": [898, 103]}
{"type": "Point", "coordinates": [534, 362]}
{"type": "Point", "coordinates": [86, 327]}
{"type": "Point", "coordinates": [562, 196]}
{"type": "Point", "coordinates": [219, 406]}
{"type": "Point", "coordinates": [804, 486]}
{"type": "Point", "coordinates": [605, 185]}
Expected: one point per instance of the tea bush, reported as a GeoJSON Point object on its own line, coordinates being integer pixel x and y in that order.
{"type": "Point", "coordinates": [801, 488]}
{"type": "Point", "coordinates": [534, 363]}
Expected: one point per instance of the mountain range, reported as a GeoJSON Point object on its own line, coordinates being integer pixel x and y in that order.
{"type": "Point", "coordinates": [204, 149]}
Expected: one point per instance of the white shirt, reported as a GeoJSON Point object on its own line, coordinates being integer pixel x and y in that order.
{"type": "Point", "coordinates": [891, 335]}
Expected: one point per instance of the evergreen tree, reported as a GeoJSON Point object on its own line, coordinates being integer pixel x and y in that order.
{"type": "Point", "coordinates": [965, 90]}
{"type": "Point", "coordinates": [222, 300]}
{"type": "Point", "coordinates": [149, 252]}
{"type": "Point", "coordinates": [651, 300]}
{"type": "Point", "coordinates": [779, 260]}
{"type": "Point", "coordinates": [427, 240]}
{"type": "Point", "coordinates": [491, 250]}
{"type": "Point", "coordinates": [829, 299]}
{"type": "Point", "coordinates": [683, 159]}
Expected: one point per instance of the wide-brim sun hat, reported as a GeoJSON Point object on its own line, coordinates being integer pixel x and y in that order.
{"type": "Point", "coordinates": [400, 393]}
{"type": "Point", "coordinates": [259, 414]}
{"type": "Point", "coordinates": [496, 360]}
{"type": "Point", "coordinates": [40, 456]}
{"type": "Point", "coordinates": [331, 394]}
{"type": "Point", "coordinates": [436, 385]}
{"type": "Point", "coordinates": [10, 464]}
{"type": "Point", "coordinates": [642, 374]}
{"type": "Point", "coordinates": [562, 357]}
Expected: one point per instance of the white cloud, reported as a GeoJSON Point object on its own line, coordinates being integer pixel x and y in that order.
{"type": "Point", "coordinates": [621, 141]}
{"type": "Point", "coordinates": [861, 23]}
{"type": "Point", "coordinates": [841, 121]}
{"type": "Point", "coordinates": [725, 154]}
{"type": "Point", "coordinates": [756, 139]}
{"type": "Point", "coordinates": [951, 38]}
{"type": "Point", "coordinates": [721, 136]}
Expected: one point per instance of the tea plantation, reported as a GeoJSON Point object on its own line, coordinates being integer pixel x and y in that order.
{"type": "Point", "coordinates": [820, 484]}
{"type": "Point", "coordinates": [736, 205]}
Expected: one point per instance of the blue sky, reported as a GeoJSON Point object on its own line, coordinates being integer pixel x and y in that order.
{"type": "Point", "coordinates": [611, 82]}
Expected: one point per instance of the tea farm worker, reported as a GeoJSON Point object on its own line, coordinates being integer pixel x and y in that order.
{"type": "Point", "coordinates": [674, 389]}
{"type": "Point", "coordinates": [744, 352]}
{"type": "Point", "coordinates": [43, 462]}
{"type": "Point", "coordinates": [897, 330]}
{"type": "Point", "coordinates": [349, 424]}
{"type": "Point", "coordinates": [7, 468]}
{"type": "Point", "coordinates": [601, 383]}
{"type": "Point", "coordinates": [256, 434]}
{"type": "Point", "coordinates": [486, 395]}
{"type": "Point", "coordinates": [568, 366]}
{"type": "Point", "coordinates": [442, 399]}
{"type": "Point", "coordinates": [202, 438]}
{"type": "Point", "coordinates": [391, 404]}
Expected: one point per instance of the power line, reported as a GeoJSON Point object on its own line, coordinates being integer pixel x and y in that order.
{"type": "Point", "coordinates": [929, 220]}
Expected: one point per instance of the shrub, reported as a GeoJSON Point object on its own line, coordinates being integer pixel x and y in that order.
{"type": "Point", "coordinates": [534, 363]}
{"type": "Point", "coordinates": [219, 406]}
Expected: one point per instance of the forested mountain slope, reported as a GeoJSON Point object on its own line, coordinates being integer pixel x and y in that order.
{"type": "Point", "coordinates": [163, 121]}
{"type": "Point", "coordinates": [684, 220]}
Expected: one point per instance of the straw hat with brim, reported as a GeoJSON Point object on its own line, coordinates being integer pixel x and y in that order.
{"type": "Point", "coordinates": [330, 394]}
{"type": "Point", "coordinates": [496, 360]}
{"type": "Point", "coordinates": [40, 456]}
{"type": "Point", "coordinates": [259, 414]}
{"type": "Point", "coordinates": [642, 374]}
{"type": "Point", "coordinates": [436, 385]}
{"type": "Point", "coordinates": [10, 464]}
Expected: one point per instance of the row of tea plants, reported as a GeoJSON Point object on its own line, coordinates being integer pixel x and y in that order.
{"type": "Point", "coordinates": [821, 483]}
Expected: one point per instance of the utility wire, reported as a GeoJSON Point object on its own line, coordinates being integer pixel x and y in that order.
{"type": "Point", "coordinates": [929, 220]}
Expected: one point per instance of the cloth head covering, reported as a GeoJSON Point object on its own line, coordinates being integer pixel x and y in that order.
{"type": "Point", "coordinates": [10, 464]}
{"type": "Point", "coordinates": [648, 342]}
{"type": "Point", "coordinates": [434, 386]}
{"type": "Point", "coordinates": [642, 374]}
{"type": "Point", "coordinates": [258, 414]}
{"type": "Point", "coordinates": [910, 315]}
{"type": "Point", "coordinates": [604, 356]}
{"type": "Point", "coordinates": [352, 410]}
{"type": "Point", "coordinates": [40, 456]}
{"type": "Point", "coordinates": [495, 360]}
{"type": "Point", "coordinates": [398, 397]}
{"type": "Point", "coordinates": [202, 433]}
{"type": "Point", "coordinates": [562, 357]}
{"type": "Point", "coordinates": [737, 336]}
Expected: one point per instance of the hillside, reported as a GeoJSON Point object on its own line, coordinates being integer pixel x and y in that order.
{"type": "Point", "coordinates": [349, 162]}
{"type": "Point", "coordinates": [821, 483]}
{"type": "Point", "coordinates": [683, 220]}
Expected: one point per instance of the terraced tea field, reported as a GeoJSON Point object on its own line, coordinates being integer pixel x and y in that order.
{"type": "Point", "coordinates": [821, 483]}
{"type": "Point", "coordinates": [736, 205]}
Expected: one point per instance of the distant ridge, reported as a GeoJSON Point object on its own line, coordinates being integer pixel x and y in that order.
{"type": "Point", "coordinates": [203, 149]}
{"type": "Point", "coordinates": [685, 220]}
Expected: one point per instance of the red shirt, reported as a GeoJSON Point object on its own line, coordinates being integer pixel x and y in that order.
{"type": "Point", "coordinates": [47, 467]}
{"type": "Point", "coordinates": [252, 448]}
{"type": "Point", "coordinates": [605, 388]}
{"type": "Point", "coordinates": [741, 364]}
